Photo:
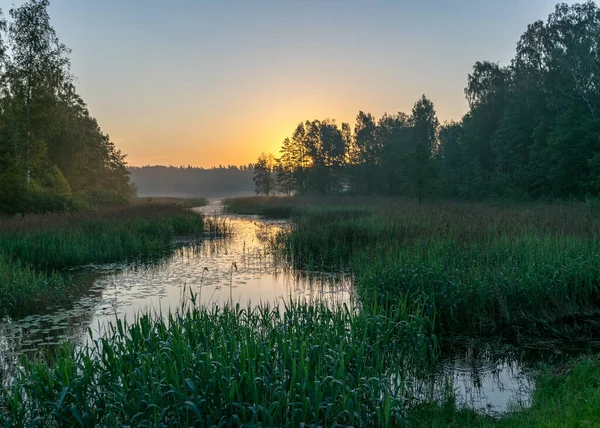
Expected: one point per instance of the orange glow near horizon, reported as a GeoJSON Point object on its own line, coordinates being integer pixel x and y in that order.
{"type": "Point", "coordinates": [234, 144]}
{"type": "Point", "coordinates": [205, 138]}
{"type": "Point", "coordinates": [237, 143]}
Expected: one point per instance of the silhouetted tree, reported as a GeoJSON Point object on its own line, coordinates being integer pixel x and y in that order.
{"type": "Point", "coordinates": [396, 137]}
{"type": "Point", "coordinates": [420, 167]}
{"type": "Point", "coordinates": [285, 168]}
{"type": "Point", "coordinates": [264, 180]}
{"type": "Point", "coordinates": [366, 151]}
{"type": "Point", "coordinates": [532, 129]}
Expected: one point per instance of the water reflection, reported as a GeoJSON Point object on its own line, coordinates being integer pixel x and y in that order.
{"type": "Point", "coordinates": [488, 379]}
{"type": "Point", "coordinates": [232, 270]}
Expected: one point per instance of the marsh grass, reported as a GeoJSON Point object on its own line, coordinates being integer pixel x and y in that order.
{"type": "Point", "coordinates": [35, 249]}
{"type": "Point", "coordinates": [65, 240]}
{"type": "Point", "coordinates": [514, 271]}
{"type": "Point", "coordinates": [333, 234]}
{"type": "Point", "coordinates": [288, 206]}
{"type": "Point", "coordinates": [527, 286]}
{"type": "Point", "coordinates": [269, 207]}
{"type": "Point", "coordinates": [24, 289]}
{"type": "Point", "coordinates": [424, 273]}
{"type": "Point", "coordinates": [266, 365]}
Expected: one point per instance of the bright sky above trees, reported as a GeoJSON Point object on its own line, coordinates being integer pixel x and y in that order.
{"type": "Point", "coordinates": [207, 83]}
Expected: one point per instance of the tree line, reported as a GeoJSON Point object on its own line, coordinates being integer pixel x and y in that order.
{"type": "Point", "coordinates": [216, 182]}
{"type": "Point", "coordinates": [53, 154]}
{"type": "Point", "coordinates": [532, 131]}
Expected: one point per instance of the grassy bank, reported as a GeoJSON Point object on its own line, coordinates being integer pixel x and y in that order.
{"type": "Point", "coordinates": [519, 289]}
{"type": "Point", "coordinates": [230, 366]}
{"type": "Point", "coordinates": [24, 289]}
{"type": "Point", "coordinates": [64, 240]}
{"type": "Point", "coordinates": [482, 269]}
{"type": "Point", "coordinates": [425, 275]}
{"type": "Point", "coordinates": [270, 207]}
{"type": "Point", "coordinates": [33, 248]}
{"type": "Point", "coordinates": [520, 273]}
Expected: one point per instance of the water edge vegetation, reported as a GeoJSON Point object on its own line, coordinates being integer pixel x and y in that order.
{"type": "Point", "coordinates": [35, 249]}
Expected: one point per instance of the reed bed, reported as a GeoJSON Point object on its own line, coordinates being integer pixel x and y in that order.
{"type": "Point", "coordinates": [523, 288]}
{"type": "Point", "coordinates": [65, 240]}
{"type": "Point", "coordinates": [288, 206]}
{"type": "Point", "coordinates": [35, 249]}
{"type": "Point", "coordinates": [332, 235]}
{"type": "Point", "coordinates": [467, 220]}
{"type": "Point", "coordinates": [506, 270]}
{"type": "Point", "coordinates": [256, 366]}
{"type": "Point", "coordinates": [24, 289]}
{"type": "Point", "coordinates": [424, 274]}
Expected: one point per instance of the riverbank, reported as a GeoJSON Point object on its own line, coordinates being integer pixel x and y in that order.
{"type": "Point", "coordinates": [308, 363]}
{"type": "Point", "coordinates": [35, 249]}
{"type": "Point", "coordinates": [518, 272]}
{"type": "Point", "coordinates": [172, 200]}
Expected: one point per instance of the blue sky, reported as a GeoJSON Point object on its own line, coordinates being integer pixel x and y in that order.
{"type": "Point", "coordinates": [217, 82]}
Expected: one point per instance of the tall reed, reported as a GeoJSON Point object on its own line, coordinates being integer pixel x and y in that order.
{"type": "Point", "coordinates": [266, 365]}
{"type": "Point", "coordinates": [483, 270]}
{"type": "Point", "coordinates": [66, 240]}
{"type": "Point", "coordinates": [24, 289]}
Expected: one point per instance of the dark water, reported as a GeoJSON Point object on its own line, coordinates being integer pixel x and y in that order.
{"type": "Point", "coordinates": [238, 269]}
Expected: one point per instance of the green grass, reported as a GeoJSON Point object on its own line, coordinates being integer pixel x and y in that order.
{"type": "Point", "coordinates": [270, 207]}
{"type": "Point", "coordinates": [291, 206]}
{"type": "Point", "coordinates": [527, 286]}
{"type": "Point", "coordinates": [227, 367]}
{"type": "Point", "coordinates": [34, 249]}
{"type": "Point", "coordinates": [24, 289]}
{"type": "Point", "coordinates": [309, 364]}
{"type": "Point", "coordinates": [425, 275]}
{"type": "Point", "coordinates": [329, 235]}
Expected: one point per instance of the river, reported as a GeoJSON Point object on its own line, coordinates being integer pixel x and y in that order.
{"type": "Point", "coordinates": [238, 269]}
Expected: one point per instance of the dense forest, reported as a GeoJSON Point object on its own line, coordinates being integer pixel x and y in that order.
{"type": "Point", "coordinates": [532, 131]}
{"type": "Point", "coordinates": [221, 181]}
{"type": "Point", "coordinates": [53, 154]}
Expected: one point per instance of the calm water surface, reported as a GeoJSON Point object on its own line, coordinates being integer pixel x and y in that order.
{"type": "Point", "coordinates": [237, 269]}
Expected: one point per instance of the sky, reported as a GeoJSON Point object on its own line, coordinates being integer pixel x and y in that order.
{"type": "Point", "coordinates": [204, 83]}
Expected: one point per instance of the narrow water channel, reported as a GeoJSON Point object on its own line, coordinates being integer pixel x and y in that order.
{"type": "Point", "coordinates": [236, 269]}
